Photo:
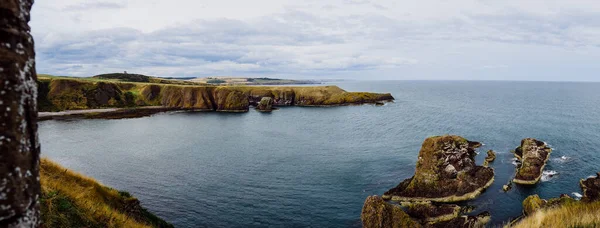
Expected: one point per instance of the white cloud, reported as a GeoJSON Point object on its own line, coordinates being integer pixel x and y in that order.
{"type": "Point", "coordinates": [337, 38]}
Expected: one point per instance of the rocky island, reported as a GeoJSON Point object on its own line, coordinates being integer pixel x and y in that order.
{"type": "Point", "coordinates": [445, 172]}
{"type": "Point", "coordinates": [155, 95]}
{"type": "Point", "coordinates": [533, 155]}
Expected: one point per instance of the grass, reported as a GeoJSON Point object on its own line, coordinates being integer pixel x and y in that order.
{"type": "Point", "coordinates": [70, 199]}
{"type": "Point", "coordinates": [575, 214]}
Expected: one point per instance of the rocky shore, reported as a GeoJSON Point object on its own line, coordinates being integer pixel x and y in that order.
{"type": "Point", "coordinates": [445, 172]}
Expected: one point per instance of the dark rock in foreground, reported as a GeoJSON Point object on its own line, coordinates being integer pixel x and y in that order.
{"type": "Point", "coordinates": [533, 155]}
{"type": "Point", "coordinates": [591, 189]}
{"type": "Point", "coordinates": [378, 213]}
{"type": "Point", "coordinates": [445, 172]}
{"type": "Point", "coordinates": [466, 221]}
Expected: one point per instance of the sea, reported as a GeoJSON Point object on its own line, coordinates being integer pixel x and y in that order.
{"type": "Point", "coordinates": [315, 166]}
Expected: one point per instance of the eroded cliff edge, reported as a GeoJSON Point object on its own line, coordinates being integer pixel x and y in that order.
{"type": "Point", "coordinates": [72, 94]}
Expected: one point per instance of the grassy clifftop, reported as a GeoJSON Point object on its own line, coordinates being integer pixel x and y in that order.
{"type": "Point", "coordinates": [58, 94]}
{"type": "Point", "coordinates": [70, 199]}
{"type": "Point", "coordinates": [574, 214]}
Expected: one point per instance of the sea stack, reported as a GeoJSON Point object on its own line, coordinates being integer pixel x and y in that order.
{"type": "Point", "coordinates": [445, 172]}
{"type": "Point", "coordinates": [533, 155]}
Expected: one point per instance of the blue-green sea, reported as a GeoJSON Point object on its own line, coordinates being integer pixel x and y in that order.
{"type": "Point", "coordinates": [314, 167]}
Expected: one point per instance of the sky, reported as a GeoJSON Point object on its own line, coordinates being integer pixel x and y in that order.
{"type": "Point", "coordinates": [321, 39]}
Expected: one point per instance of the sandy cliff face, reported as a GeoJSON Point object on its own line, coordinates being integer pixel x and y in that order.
{"type": "Point", "coordinates": [72, 94]}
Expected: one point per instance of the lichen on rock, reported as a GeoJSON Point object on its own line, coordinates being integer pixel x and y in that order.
{"type": "Point", "coordinates": [533, 155]}
{"type": "Point", "coordinates": [445, 172]}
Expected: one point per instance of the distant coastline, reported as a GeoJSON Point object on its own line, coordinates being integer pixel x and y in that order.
{"type": "Point", "coordinates": [132, 95]}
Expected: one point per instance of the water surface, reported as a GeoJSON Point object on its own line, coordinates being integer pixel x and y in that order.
{"type": "Point", "coordinates": [313, 167]}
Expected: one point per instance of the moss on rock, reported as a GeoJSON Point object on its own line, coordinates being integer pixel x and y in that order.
{"type": "Point", "coordinates": [533, 155]}
{"type": "Point", "coordinates": [376, 213]}
{"type": "Point", "coordinates": [445, 172]}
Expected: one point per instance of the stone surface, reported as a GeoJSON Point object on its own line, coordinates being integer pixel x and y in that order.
{"type": "Point", "coordinates": [19, 143]}
{"type": "Point", "coordinates": [265, 104]}
{"type": "Point", "coordinates": [491, 156]}
{"type": "Point", "coordinates": [429, 213]}
{"type": "Point", "coordinates": [591, 189]}
{"type": "Point", "coordinates": [477, 221]}
{"type": "Point", "coordinates": [533, 203]}
{"type": "Point", "coordinates": [376, 213]}
{"type": "Point", "coordinates": [533, 155]}
{"type": "Point", "coordinates": [445, 172]}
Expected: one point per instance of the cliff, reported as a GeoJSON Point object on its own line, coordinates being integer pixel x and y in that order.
{"type": "Point", "coordinates": [72, 200]}
{"type": "Point", "coordinates": [58, 94]}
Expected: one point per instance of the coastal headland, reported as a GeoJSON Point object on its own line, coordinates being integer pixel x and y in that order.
{"type": "Point", "coordinates": [129, 96]}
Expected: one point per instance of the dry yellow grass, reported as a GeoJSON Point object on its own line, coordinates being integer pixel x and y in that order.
{"type": "Point", "coordinates": [575, 214]}
{"type": "Point", "coordinates": [70, 199]}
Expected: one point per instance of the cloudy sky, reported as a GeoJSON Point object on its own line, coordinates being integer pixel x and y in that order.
{"type": "Point", "coordinates": [321, 39]}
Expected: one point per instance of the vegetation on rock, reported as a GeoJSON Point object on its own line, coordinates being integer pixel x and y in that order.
{"type": "Point", "coordinates": [533, 155]}
{"type": "Point", "coordinates": [378, 213]}
{"type": "Point", "coordinates": [72, 200]}
{"type": "Point", "coordinates": [445, 172]}
{"type": "Point", "coordinates": [58, 94]}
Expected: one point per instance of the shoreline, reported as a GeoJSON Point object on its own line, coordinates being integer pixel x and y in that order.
{"type": "Point", "coordinates": [447, 199]}
{"type": "Point", "coordinates": [136, 112]}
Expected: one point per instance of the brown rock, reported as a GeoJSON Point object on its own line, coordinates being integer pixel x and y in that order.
{"type": "Point", "coordinates": [591, 189]}
{"type": "Point", "coordinates": [491, 156]}
{"type": "Point", "coordinates": [445, 172]}
{"type": "Point", "coordinates": [376, 213]}
{"type": "Point", "coordinates": [265, 104]}
{"type": "Point", "coordinates": [533, 155]}
{"type": "Point", "coordinates": [532, 204]}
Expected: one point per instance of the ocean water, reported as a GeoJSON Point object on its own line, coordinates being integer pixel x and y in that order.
{"type": "Point", "coordinates": [314, 167]}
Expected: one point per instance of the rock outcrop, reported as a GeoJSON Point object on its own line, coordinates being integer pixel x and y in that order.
{"type": "Point", "coordinates": [491, 156]}
{"type": "Point", "coordinates": [533, 155]}
{"type": "Point", "coordinates": [377, 213]}
{"type": "Point", "coordinates": [265, 104]}
{"type": "Point", "coordinates": [532, 204]}
{"type": "Point", "coordinates": [445, 172]}
{"type": "Point", "coordinates": [427, 213]}
{"type": "Point", "coordinates": [591, 189]}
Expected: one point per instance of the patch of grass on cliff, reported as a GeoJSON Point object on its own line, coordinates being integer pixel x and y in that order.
{"type": "Point", "coordinates": [576, 214]}
{"type": "Point", "coordinates": [70, 199]}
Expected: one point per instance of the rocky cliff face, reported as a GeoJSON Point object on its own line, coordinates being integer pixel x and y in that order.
{"type": "Point", "coordinates": [71, 94]}
{"type": "Point", "coordinates": [445, 172]}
